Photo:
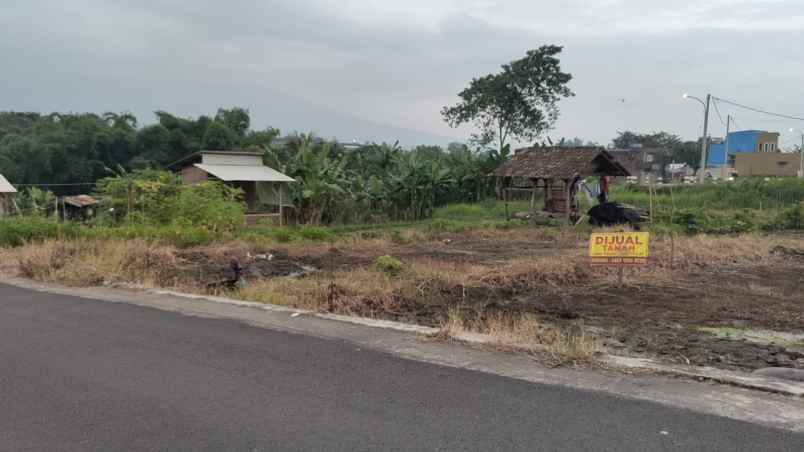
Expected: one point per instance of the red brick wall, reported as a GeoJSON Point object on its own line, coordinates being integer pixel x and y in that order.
{"type": "Point", "coordinates": [191, 175]}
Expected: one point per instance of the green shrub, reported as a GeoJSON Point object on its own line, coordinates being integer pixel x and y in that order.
{"type": "Point", "coordinates": [282, 235]}
{"type": "Point", "coordinates": [461, 211]}
{"type": "Point", "coordinates": [789, 219]}
{"type": "Point", "coordinates": [388, 265]}
{"type": "Point", "coordinates": [179, 236]}
{"type": "Point", "coordinates": [158, 198]}
{"type": "Point", "coordinates": [314, 233]}
{"type": "Point", "coordinates": [491, 210]}
{"type": "Point", "coordinates": [398, 237]}
{"type": "Point", "coordinates": [440, 225]}
{"type": "Point", "coordinates": [714, 221]}
{"type": "Point", "coordinates": [16, 231]}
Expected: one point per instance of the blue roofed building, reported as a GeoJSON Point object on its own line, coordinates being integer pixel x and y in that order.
{"type": "Point", "coordinates": [744, 141]}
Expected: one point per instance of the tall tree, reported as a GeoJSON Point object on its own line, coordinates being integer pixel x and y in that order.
{"type": "Point", "coordinates": [518, 103]}
{"type": "Point", "coordinates": [676, 150]}
{"type": "Point", "coordinates": [236, 119]}
{"type": "Point", "coordinates": [219, 137]}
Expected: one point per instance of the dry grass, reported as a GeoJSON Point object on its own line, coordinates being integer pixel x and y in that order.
{"type": "Point", "coordinates": [569, 344]}
{"type": "Point", "coordinates": [303, 293]}
{"type": "Point", "coordinates": [95, 262]}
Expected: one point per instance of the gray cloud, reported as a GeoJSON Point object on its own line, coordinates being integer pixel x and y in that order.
{"type": "Point", "coordinates": [377, 70]}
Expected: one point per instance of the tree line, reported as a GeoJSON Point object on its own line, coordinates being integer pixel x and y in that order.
{"type": "Point", "coordinates": [337, 182]}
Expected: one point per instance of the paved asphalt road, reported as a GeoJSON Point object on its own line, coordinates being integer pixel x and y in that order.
{"type": "Point", "coordinates": [85, 375]}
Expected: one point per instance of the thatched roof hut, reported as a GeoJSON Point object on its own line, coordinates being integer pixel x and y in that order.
{"type": "Point", "coordinates": [556, 170]}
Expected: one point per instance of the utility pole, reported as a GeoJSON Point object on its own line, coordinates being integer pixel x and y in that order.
{"type": "Point", "coordinates": [801, 158]}
{"type": "Point", "coordinates": [726, 147]}
{"type": "Point", "coordinates": [705, 139]}
{"type": "Point", "coordinates": [800, 153]}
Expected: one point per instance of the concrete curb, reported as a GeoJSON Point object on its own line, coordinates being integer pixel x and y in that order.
{"type": "Point", "coordinates": [748, 381]}
{"type": "Point", "coordinates": [385, 324]}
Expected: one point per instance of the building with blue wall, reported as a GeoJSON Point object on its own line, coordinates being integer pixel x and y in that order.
{"type": "Point", "coordinates": [744, 141]}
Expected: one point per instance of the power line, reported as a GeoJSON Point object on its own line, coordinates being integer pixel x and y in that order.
{"type": "Point", "coordinates": [717, 110]}
{"type": "Point", "coordinates": [780, 115]}
{"type": "Point", "coordinates": [56, 185]}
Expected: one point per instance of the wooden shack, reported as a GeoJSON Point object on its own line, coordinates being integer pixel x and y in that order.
{"type": "Point", "coordinates": [555, 171]}
{"type": "Point", "coordinates": [264, 188]}
{"type": "Point", "coordinates": [78, 208]}
{"type": "Point", "coordinates": [7, 191]}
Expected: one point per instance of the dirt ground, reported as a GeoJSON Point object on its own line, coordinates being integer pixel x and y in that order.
{"type": "Point", "coordinates": [728, 302]}
{"type": "Point", "coordinates": [671, 318]}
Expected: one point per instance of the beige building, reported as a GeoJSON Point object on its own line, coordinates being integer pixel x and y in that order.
{"type": "Point", "coordinates": [264, 188]}
{"type": "Point", "coordinates": [769, 164]}
{"type": "Point", "coordinates": [768, 142]}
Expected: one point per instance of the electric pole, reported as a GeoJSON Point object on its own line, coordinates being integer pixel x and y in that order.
{"type": "Point", "coordinates": [705, 139]}
{"type": "Point", "coordinates": [800, 153]}
{"type": "Point", "coordinates": [726, 147]}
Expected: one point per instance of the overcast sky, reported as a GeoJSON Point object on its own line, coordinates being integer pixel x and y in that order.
{"type": "Point", "coordinates": [381, 70]}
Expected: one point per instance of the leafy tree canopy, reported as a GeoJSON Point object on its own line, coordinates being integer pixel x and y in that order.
{"type": "Point", "coordinates": [518, 103]}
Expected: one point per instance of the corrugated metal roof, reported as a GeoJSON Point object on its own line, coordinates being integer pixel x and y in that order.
{"type": "Point", "coordinates": [6, 187]}
{"type": "Point", "coordinates": [245, 173]}
{"type": "Point", "coordinates": [561, 163]}
{"type": "Point", "coordinates": [80, 200]}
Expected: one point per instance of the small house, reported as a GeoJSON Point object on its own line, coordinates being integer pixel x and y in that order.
{"type": "Point", "coordinates": [557, 171]}
{"type": "Point", "coordinates": [80, 207]}
{"type": "Point", "coordinates": [264, 188]}
{"type": "Point", "coordinates": [7, 191]}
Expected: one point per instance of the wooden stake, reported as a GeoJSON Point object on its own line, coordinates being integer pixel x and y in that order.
{"type": "Point", "coordinates": [281, 212]}
{"type": "Point", "coordinates": [672, 250]}
{"type": "Point", "coordinates": [567, 201]}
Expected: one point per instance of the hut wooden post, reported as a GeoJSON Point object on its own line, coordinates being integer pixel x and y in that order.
{"type": "Point", "coordinates": [506, 182]}
{"type": "Point", "coordinates": [535, 183]}
{"type": "Point", "coordinates": [281, 211]}
{"type": "Point", "coordinates": [567, 201]}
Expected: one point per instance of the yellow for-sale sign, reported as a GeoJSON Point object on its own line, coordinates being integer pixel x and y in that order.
{"type": "Point", "coordinates": [619, 248]}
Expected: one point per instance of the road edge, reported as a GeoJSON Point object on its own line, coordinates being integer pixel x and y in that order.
{"type": "Point", "coordinates": [733, 400]}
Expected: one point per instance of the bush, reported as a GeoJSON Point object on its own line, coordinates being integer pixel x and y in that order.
{"type": "Point", "coordinates": [179, 236]}
{"type": "Point", "coordinates": [159, 198]}
{"type": "Point", "coordinates": [460, 211]}
{"type": "Point", "coordinates": [314, 233]}
{"type": "Point", "coordinates": [388, 265]}
{"type": "Point", "coordinates": [715, 222]}
{"type": "Point", "coordinates": [788, 219]}
{"type": "Point", "coordinates": [17, 231]}
{"type": "Point", "coordinates": [440, 225]}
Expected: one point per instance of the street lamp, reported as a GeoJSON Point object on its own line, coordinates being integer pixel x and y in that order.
{"type": "Point", "coordinates": [800, 152]}
{"type": "Point", "coordinates": [705, 139]}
